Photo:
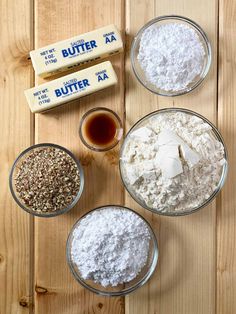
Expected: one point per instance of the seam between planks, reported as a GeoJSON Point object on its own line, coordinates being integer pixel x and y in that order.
{"type": "Point", "coordinates": [123, 96]}
{"type": "Point", "coordinates": [32, 142]}
{"type": "Point", "coordinates": [218, 199]}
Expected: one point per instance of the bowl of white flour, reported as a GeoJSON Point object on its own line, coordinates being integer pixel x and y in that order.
{"type": "Point", "coordinates": [112, 250]}
{"type": "Point", "coordinates": [173, 162]}
{"type": "Point", "coordinates": [171, 55]}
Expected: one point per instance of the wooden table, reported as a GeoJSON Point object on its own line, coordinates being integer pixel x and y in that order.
{"type": "Point", "coordinates": [197, 267]}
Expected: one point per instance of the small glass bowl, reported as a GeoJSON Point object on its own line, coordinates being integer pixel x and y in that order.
{"type": "Point", "coordinates": [97, 111]}
{"type": "Point", "coordinates": [121, 289]}
{"type": "Point", "coordinates": [140, 74]}
{"type": "Point", "coordinates": [13, 171]}
{"type": "Point", "coordinates": [136, 197]}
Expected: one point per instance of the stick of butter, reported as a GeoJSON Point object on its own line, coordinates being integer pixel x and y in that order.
{"type": "Point", "coordinates": [70, 87]}
{"type": "Point", "coordinates": [67, 54]}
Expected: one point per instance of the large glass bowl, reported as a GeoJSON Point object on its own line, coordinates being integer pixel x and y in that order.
{"type": "Point", "coordinates": [140, 74]}
{"type": "Point", "coordinates": [123, 289]}
{"type": "Point", "coordinates": [137, 198]}
{"type": "Point", "coordinates": [15, 168]}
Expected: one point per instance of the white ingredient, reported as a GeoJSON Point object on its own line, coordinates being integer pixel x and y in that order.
{"type": "Point", "coordinates": [171, 55]}
{"type": "Point", "coordinates": [169, 138]}
{"type": "Point", "coordinates": [110, 246]}
{"type": "Point", "coordinates": [168, 160]}
{"type": "Point", "coordinates": [178, 167]}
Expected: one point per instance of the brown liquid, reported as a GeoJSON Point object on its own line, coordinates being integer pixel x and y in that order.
{"type": "Point", "coordinates": [100, 129]}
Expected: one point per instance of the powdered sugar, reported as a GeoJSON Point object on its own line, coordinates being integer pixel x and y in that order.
{"type": "Point", "coordinates": [171, 55]}
{"type": "Point", "coordinates": [110, 246]}
{"type": "Point", "coordinates": [177, 166]}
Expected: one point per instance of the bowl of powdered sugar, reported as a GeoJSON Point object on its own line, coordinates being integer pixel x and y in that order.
{"type": "Point", "coordinates": [112, 250]}
{"type": "Point", "coordinates": [171, 55]}
{"type": "Point", "coordinates": [173, 162]}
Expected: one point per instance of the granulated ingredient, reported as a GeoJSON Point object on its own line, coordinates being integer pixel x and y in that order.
{"type": "Point", "coordinates": [173, 162]}
{"type": "Point", "coordinates": [48, 179]}
{"type": "Point", "coordinates": [110, 246]}
{"type": "Point", "coordinates": [171, 55]}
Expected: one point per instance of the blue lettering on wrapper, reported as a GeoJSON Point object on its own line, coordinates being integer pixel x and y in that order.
{"type": "Point", "coordinates": [71, 88]}
{"type": "Point", "coordinates": [65, 53]}
{"type": "Point", "coordinates": [58, 92]}
{"type": "Point", "coordinates": [93, 44]}
{"type": "Point", "coordinates": [110, 39]}
{"type": "Point", "coordinates": [77, 49]}
{"type": "Point", "coordinates": [102, 77]}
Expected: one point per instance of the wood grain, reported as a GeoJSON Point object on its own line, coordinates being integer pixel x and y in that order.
{"type": "Point", "coordinates": [56, 289]}
{"type": "Point", "coordinates": [16, 131]}
{"type": "Point", "coordinates": [196, 273]}
{"type": "Point", "coordinates": [226, 216]}
{"type": "Point", "coordinates": [187, 244]}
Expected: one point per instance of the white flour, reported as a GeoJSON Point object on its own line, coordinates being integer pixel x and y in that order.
{"type": "Point", "coordinates": [171, 55]}
{"type": "Point", "coordinates": [110, 246]}
{"type": "Point", "coordinates": [173, 162]}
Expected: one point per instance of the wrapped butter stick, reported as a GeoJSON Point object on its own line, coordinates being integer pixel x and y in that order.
{"type": "Point", "coordinates": [70, 87]}
{"type": "Point", "coordinates": [67, 54]}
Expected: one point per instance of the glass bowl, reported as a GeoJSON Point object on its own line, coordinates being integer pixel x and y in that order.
{"type": "Point", "coordinates": [140, 74]}
{"type": "Point", "coordinates": [137, 198]}
{"type": "Point", "coordinates": [121, 289]}
{"type": "Point", "coordinates": [15, 167]}
{"type": "Point", "coordinates": [116, 123]}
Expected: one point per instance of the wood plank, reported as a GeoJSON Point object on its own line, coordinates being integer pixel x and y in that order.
{"type": "Point", "coordinates": [138, 102]}
{"type": "Point", "coordinates": [16, 131]}
{"type": "Point", "coordinates": [185, 279]}
{"type": "Point", "coordinates": [226, 216]}
{"type": "Point", "coordinates": [56, 289]}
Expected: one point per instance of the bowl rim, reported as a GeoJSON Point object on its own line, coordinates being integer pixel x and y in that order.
{"type": "Point", "coordinates": [54, 213]}
{"type": "Point", "coordinates": [87, 113]}
{"type": "Point", "coordinates": [224, 170]}
{"type": "Point", "coordinates": [141, 282]}
{"type": "Point", "coordinates": [198, 28]}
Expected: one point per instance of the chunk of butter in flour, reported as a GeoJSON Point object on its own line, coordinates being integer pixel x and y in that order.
{"type": "Point", "coordinates": [169, 138]}
{"type": "Point", "coordinates": [168, 157]}
{"type": "Point", "coordinates": [67, 54]}
{"type": "Point", "coordinates": [70, 87]}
